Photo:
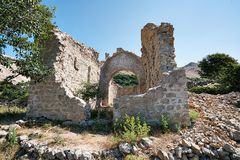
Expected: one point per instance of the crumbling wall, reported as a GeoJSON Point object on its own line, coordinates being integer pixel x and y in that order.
{"type": "Point", "coordinates": [157, 51]}
{"type": "Point", "coordinates": [166, 88]}
{"type": "Point", "coordinates": [116, 90]}
{"type": "Point", "coordinates": [170, 98]}
{"type": "Point", "coordinates": [72, 64]}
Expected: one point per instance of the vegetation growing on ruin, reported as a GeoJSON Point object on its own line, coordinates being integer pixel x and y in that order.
{"type": "Point", "coordinates": [88, 91]}
{"type": "Point", "coordinates": [164, 123]}
{"type": "Point", "coordinates": [125, 80]}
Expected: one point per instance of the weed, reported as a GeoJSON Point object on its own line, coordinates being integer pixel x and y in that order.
{"type": "Point", "coordinates": [57, 139]}
{"type": "Point", "coordinates": [194, 115]}
{"type": "Point", "coordinates": [46, 125]}
{"type": "Point", "coordinates": [133, 157]}
{"type": "Point", "coordinates": [177, 127]}
{"type": "Point", "coordinates": [164, 123]}
{"type": "Point", "coordinates": [12, 138]}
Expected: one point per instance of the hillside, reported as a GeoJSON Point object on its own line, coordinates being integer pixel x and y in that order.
{"type": "Point", "coordinates": [192, 70]}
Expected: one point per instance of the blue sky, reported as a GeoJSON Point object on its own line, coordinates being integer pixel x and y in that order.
{"type": "Point", "coordinates": [201, 26]}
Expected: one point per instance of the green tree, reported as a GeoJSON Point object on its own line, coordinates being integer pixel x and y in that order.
{"type": "Point", "coordinates": [231, 78]}
{"type": "Point", "coordinates": [88, 91]}
{"type": "Point", "coordinates": [25, 25]}
{"type": "Point", "coordinates": [125, 80]}
{"type": "Point", "coordinates": [213, 65]}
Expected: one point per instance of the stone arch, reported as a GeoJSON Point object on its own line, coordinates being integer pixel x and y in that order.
{"type": "Point", "coordinates": [121, 60]}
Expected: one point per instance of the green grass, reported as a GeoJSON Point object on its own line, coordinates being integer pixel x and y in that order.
{"type": "Point", "coordinates": [194, 115]}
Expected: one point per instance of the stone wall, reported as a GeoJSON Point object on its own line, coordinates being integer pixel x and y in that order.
{"type": "Point", "coordinates": [73, 64]}
{"type": "Point", "coordinates": [170, 97]}
{"type": "Point", "coordinates": [157, 51]}
{"type": "Point", "coordinates": [159, 90]}
{"type": "Point", "coordinates": [116, 90]}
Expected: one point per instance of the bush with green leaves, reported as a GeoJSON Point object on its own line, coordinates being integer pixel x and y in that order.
{"type": "Point", "coordinates": [89, 91]}
{"type": "Point", "coordinates": [213, 66]}
{"type": "Point", "coordinates": [102, 113]}
{"type": "Point", "coordinates": [231, 78]}
{"type": "Point", "coordinates": [10, 91]}
{"type": "Point", "coordinates": [125, 80]}
{"type": "Point", "coordinates": [214, 89]}
{"type": "Point", "coordinates": [221, 68]}
{"type": "Point", "coordinates": [194, 82]}
{"type": "Point", "coordinates": [167, 125]}
{"type": "Point", "coordinates": [131, 128]}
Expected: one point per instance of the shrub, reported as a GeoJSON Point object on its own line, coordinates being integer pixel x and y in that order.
{"type": "Point", "coordinates": [125, 80]}
{"type": "Point", "coordinates": [102, 113]}
{"type": "Point", "coordinates": [193, 82]}
{"type": "Point", "coordinates": [88, 91]}
{"type": "Point", "coordinates": [164, 123]}
{"type": "Point", "coordinates": [231, 78]}
{"type": "Point", "coordinates": [131, 128]}
{"type": "Point", "coordinates": [10, 91]}
{"type": "Point", "coordinates": [194, 115]}
{"type": "Point", "coordinates": [215, 89]}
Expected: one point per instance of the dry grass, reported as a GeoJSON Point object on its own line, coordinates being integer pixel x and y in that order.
{"type": "Point", "coordinates": [57, 136]}
{"type": "Point", "coordinates": [8, 153]}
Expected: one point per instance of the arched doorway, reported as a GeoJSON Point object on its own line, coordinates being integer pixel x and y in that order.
{"type": "Point", "coordinates": [123, 83]}
{"type": "Point", "coordinates": [120, 61]}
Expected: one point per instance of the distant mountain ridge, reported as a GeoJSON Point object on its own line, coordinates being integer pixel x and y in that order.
{"type": "Point", "coordinates": [192, 70]}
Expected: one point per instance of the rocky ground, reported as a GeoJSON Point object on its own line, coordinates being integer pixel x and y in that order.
{"type": "Point", "coordinates": [215, 135]}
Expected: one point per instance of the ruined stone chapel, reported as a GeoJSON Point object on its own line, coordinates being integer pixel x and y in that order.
{"type": "Point", "coordinates": [161, 88]}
